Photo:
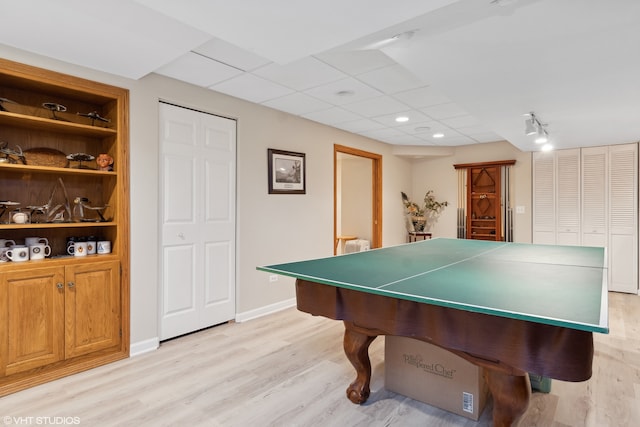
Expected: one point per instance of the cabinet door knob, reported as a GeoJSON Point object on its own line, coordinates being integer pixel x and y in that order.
{"type": "Point", "coordinates": [71, 284]}
{"type": "Point", "coordinates": [59, 285]}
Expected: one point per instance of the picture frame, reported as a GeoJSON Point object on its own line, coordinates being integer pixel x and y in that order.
{"type": "Point", "coordinates": [287, 172]}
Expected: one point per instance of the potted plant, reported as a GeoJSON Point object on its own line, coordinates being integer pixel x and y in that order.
{"type": "Point", "coordinates": [421, 217]}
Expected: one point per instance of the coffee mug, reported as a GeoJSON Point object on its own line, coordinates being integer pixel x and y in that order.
{"type": "Point", "coordinates": [32, 241]}
{"type": "Point", "coordinates": [39, 251]}
{"type": "Point", "coordinates": [3, 253]}
{"type": "Point", "coordinates": [77, 249]}
{"type": "Point", "coordinates": [7, 243]}
{"type": "Point", "coordinates": [18, 253]}
{"type": "Point", "coordinates": [91, 246]}
{"type": "Point", "coordinates": [104, 247]}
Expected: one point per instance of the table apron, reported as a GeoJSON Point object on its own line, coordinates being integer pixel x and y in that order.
{"type": "Point", "coordinates": [552, 351]}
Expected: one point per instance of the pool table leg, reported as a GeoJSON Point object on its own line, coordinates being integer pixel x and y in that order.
{"type": "Point", "coordinates": [511, 395]}
{"type": "Point", "coordinates": [356, 347]}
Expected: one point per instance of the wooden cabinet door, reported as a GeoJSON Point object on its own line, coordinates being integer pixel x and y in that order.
{"type": "Point", "coordinates": [31, 319]}
{"type": "Point", "coordinates": [92, 307]}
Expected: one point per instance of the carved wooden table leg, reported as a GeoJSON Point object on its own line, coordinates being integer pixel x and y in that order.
{"type": "Point", "coordinates": [511, 395]}
{"type": "Point", "coordinates": [356, 347]}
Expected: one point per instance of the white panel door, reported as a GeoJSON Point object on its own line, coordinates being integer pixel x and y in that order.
{"type": "Point", "coordinates": [544, 190]}
{"type": "Point", "coordinates": [623, 218]}
{"type": "Point", "coordinates": [197, 197]}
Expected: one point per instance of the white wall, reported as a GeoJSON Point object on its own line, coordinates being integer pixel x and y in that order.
{"type": "Point", "coordinates": [356, 215]}
{"type": "Point", "coordinates": [271, 228]}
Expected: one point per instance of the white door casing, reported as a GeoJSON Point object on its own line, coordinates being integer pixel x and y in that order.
{"type": "Point", "coordinates": [197, 198]}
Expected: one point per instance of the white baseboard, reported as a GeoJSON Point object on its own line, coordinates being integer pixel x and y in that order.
{"type": "Point", "coordinates": [142, 347]}
{"type": "Point", "coordinates": [266, 310]}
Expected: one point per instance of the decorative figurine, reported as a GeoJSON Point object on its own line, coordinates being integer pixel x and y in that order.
{"type": "Point", "coordinates": [104, 162]}
{"type": "Point", "coordinates": [80, 215]}
{"type": "Point", "coordinates": [11, 156]}
{"type": "Point", "coordinates": [53, 107]}
{"type": "Point", "coordinates": [94, 116]}
{"type": "Point", "coordinates": [50, 212]}
{"type": "Point", "coordinates": [80, 157]}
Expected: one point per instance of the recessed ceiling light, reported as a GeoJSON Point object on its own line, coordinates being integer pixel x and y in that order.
{"type": "Point", "coordinates": [402, 119]}
{"type": "Point", "coordinates": [438, 135]}
{"type": "Point", "coordinates": [422, 129]}
{"type": "Point", "coordinates": [345, 93]}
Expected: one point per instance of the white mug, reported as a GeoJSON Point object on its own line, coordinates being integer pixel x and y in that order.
{"type": "Point", "coordinates": [5, 243]}
{"type": "Point", "coordinates": [31, 241]}
{"type": "Point", "coordinates": [77, 249]}
{"type": "Point", "coordinates": [104, 247]}
{"type": "Point", "coordinates": [18, 253]}
{"type": "Point", "coordinates": [3, 253]}
{"type": "Point", "coordinates": [91, 247]}
{"type": "Point", "coordinates": [39, 251]}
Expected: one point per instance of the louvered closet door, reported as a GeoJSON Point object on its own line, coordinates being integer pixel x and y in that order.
{"type": "Point", "coordinates": [544, 229]}
{"type": "Point", "coordinates": [623, 218]}
{"type": "Point", "coordinates": [568, 197]}
{"type": "Point", "coordinates": [594, 196]}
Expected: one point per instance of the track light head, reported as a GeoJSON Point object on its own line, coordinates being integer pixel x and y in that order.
{"type": "Point", "coordinates": [529, 127]}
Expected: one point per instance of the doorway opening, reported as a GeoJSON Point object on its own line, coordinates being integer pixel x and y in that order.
{"type": "Point", "coordinates": [356, 173]}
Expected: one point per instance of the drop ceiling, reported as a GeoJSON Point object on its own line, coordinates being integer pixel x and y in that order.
{"type": "Point", "coordinates": [467, 69]}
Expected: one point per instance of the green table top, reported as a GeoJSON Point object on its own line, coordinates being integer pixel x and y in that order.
{"type": "Point", "coordinates": [557, 285]}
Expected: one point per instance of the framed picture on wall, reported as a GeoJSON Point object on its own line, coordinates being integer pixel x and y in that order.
{"type": "Point", "coordinates": [286, 172]}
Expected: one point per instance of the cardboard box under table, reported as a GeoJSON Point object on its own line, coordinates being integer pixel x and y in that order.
{"type": "Point", "coordinates": [432, 375]}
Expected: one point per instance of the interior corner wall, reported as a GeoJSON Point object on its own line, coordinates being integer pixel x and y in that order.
{"type": "Point", "coordinates": [439, 175]}
{"type": "Point", "coordinates": [270, 228]}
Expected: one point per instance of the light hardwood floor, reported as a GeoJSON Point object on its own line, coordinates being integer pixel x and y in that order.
{"type": "Point", "coordinates": [288, 369]}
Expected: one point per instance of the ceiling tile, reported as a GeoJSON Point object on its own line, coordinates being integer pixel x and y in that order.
{"type": "Point", "coordinates": [252, 88]}
{"type": "Point", "coordinates": [198, 70]}
{"type": "Point", "coordinates": [356, 62]}
{"type": "Point", "coordinates": [461, 121]}
{"type": "Point", "coordinates": [383, 133]}
{"type": "Point", "coordinates": [486, 137]}
{"type": "Point", "coordinates": [444, 111]}
{"type": "Point", "coordinates": [329, 92]}
{"type": "Point", "coordinates": [300, 75]}
{"type": "Point", "coordinates": [288, 30]}
{"type": "Point", "coordinates": [425, 96]}
{"type": "Point", "coordinates": [391, 79]}
{"type": "Point", "coordinates": [332, 116]}
{"type": "Point", "coordinates": [424, 128]}
{"type": "Point", "coordinates": [376, 106]}
{"type": "Point", "coordinates": [390, 119]}
{"type": "Point", "coordinates": [297, 103]}
{"type": "Point", "coordinates": [404, 139]}
{"type": "Point", "coordinates": [128, 40]}
{"type": "Point", "coordinates": [231, 55]}
{"type": "Point", "coordinates": [360, 125]}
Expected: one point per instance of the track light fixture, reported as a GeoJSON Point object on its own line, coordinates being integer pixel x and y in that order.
{"type": "Point", "coordinates": [532, 126]}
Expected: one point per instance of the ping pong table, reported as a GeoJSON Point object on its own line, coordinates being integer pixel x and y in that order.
{"type": "Point", "coordinates": [510, 308]}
